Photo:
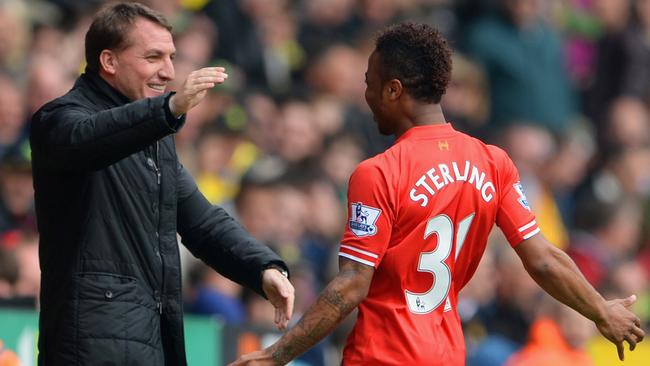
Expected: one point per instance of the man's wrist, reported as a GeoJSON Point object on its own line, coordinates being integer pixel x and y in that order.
{"type": "Point", "coordinates": [173, 109]}
{"type": "Point", "coordinates": [283, 271]}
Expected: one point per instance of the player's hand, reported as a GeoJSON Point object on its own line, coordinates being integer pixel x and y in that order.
{"type": "Point", "coordinates": [258, 358]}
{"type": "Point", "coordinates": [280, 293]}
{"type": "Point", "coordinates": [195, 88]}
{"type": "Point", "coordinates": [620, 324]}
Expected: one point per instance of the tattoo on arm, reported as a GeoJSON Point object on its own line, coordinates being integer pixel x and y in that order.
{"type": "Point", "coordinates": [338, 299]}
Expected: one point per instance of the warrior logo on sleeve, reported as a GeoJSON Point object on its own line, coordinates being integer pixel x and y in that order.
{"type": "Point", "coordinates": [363, 218]}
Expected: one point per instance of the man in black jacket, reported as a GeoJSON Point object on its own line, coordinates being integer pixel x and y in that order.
{"type": "Point", "coordinates": [111, 197]}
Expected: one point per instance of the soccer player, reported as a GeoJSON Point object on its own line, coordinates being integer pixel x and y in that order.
{"type": "Point", "coordinates": [429, 203]}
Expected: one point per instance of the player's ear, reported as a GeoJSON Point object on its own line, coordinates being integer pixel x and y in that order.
{"type": "Point", "coordinates": [393, 89]}
{"type": "Point", "coordinates": [108, 62]}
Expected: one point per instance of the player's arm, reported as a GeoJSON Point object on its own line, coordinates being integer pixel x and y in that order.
{"type": "Point", "coordinates": [558, 275]}
{"type": "Point", "coordinates": [336, 301]}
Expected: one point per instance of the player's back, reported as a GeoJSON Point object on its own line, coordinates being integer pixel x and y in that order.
{"type": "Point", "coordinates": [421, 213]}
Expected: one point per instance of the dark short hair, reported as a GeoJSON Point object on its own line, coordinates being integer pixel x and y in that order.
{"type": "Point", "coordinates": [418, 56]}
{"type": "Point", "coordinates": [111, 26]}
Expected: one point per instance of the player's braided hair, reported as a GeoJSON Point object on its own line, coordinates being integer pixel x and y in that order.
{"type": "Point", "coordinates": [418, 56]}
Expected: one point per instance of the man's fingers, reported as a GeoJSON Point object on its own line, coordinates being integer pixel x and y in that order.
{"type": "Point", "coordinates": [282, 321]}
{"type": "Point", "coordinates": [215, 68]}
{"type": "Point", "coordinates": [621, 350]}
{"type": "Point", "coordinates": [195, 88]}
{"type": "Point", "coordinates": [631, 341]}
{"type": "Point", "coordinates": [200, 87]}
{"type": "Point", "coordinates": [639, 333]}
{"type": "Point", "coordinates": [209, 78]}
{"type": "Point", "coordinates": [289, 308]}
{"type": "Point", "coordinates": [278, 316]}
{"type": "Point", "coordinates": [206, 73]}
{"type": "Point", "coordinates": [628, 301]}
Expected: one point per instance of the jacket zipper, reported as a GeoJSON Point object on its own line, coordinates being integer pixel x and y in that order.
{"type": "Point", "coordinates": [156, 165]}
{"type": "Point", "coordinates": [157, 162]}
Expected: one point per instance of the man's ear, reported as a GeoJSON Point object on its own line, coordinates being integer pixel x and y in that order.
{"type": "Point", "coordinates": [393, 89]}
{"type": "Point", "coordinates": [108, 62]}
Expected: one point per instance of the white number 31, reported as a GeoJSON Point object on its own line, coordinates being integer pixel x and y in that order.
{"type": "Point", "coordinates": [434, 262]}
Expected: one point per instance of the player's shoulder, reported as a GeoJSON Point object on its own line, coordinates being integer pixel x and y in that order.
{"type": "Point", "coordinates": [496, 152]}
{"type": "Point", "coordinates": [501, 160]}
{"type": "Point", "coordinates": [496, 156]}
{"type": "Point", "coordinates": [371, 166]}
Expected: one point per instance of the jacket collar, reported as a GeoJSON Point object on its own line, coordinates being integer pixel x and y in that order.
{"type": "Point", "coordinates": [92, 80]}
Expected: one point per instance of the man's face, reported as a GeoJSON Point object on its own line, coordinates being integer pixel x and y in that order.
{"type": "Point", "coordinates": [144, 67]}
{"type": "Point", "coordinates": [374, 92]}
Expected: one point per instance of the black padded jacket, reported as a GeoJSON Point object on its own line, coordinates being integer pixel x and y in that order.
{"type": "Point", "coordinates": [111, 197]}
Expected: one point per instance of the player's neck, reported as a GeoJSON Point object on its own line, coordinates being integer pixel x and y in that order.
{"type": "Point", "coordinates": [427, 114]}
{"type": "Point", "coordinates": [420, 114]}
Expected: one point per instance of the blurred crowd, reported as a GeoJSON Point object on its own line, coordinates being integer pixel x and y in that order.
{"type": "Point", "coordinates": [562, 85]}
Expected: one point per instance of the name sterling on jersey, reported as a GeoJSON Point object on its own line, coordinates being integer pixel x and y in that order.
{"type": "Point", "coordinates": [438, 177]}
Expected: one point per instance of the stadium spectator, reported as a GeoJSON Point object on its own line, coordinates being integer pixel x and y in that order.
{"type": "Point", "coordinates": [507, 318]}
{"type": "Point", "coordinates": [523, 61]}
{"type": "Point", "coordinates": [16, 195]}
{"type": "Point", "coordinates": [28, 283]}
{"type": "Point", "coordinates": [557, 337]}
{"type": "Point", "coordinates": [607, 233]}
{"type": "Point", "coordinates": [14, 35]}
{"type": "Point", "coordinates": [47, 79]}
{"type": "Point", "coordinates": [210, 293]}
{"type": "Point", "coordinates": [223, 155]}
{"type": "Point", "coordinates": [530, 147]}
{"type": "Point", "coordinates": [611, 61]}
{"type": "Point", "coordinates": [8, 272]}
{"type": "Point", "coordinates": [466, 100]}
{"type": "Point", "coordinates": [111, 196]}
{"type": "Point", "coordinates": [404, 319]}
{"type": "Point", "coordinates": [628, 125]}
{"type": "Point", "coordinates": [12, 117]}
{"type": "Point", "coordinates": [298, 139]}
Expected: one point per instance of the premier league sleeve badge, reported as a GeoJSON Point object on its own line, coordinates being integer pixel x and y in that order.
{"type": "Point", "coordinates": [363, 218]}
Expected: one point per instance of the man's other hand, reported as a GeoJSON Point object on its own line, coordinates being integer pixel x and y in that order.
{"type": "Point", "coordinates": [257, 358]}
{"type": "Point", "coordinates": [620, 324]}
{"type": "Point", "coordinates": [280, 293]}
{"type": "Point", "coordinates": [195, 88]}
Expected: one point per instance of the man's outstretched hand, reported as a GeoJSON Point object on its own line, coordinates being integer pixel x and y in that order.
{"type": "Point", "coordinates": [258, 358]}
{"type": "Point", "coordinates": [280, 293]}
{"type": "Point", "coordinates": [195, 88]}
{"type": "Point", "coordinates": [619, 324]}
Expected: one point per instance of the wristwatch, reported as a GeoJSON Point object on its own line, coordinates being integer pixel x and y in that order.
{"type": "Point", "coordinates": [282, 271]}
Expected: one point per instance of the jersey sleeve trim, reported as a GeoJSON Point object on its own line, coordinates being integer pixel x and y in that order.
{"type": "Point", "coordinates": [356, 259]}
{"type": "Point", "coordinates": [531, 234]}
{"type": "Point", "coordinates": [369, 254]}
{"type": "Point", "coordinates": [528, 230]}
{"type": "Point", "coordinates": [527, 226]}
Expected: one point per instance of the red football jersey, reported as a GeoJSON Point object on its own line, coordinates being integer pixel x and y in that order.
{"type": "Point", "coordinates": [420, 213]}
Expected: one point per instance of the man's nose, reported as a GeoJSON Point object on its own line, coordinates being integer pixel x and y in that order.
{"type": "Point", "coordinates": [167, 71]}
